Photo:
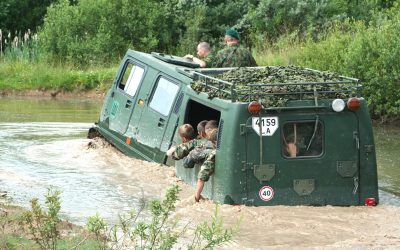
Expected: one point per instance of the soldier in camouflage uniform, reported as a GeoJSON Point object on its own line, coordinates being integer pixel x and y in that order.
{"type": "Point", "coordinates": [187, 134]}
{"type": "Point", "coordinates": [183, 149]}
{"type": "Point", "coordinates": [198, 154]}
{"type": "Point", "coordinates": [208, 166]}
{"type": "Point", "coordinates": [233, 55]}
{"type": "Point", "coordinates": [205, 56]}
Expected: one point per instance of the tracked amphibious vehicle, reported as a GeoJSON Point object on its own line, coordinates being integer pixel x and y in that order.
{"type": "Point", "coordinates": [284, 137]}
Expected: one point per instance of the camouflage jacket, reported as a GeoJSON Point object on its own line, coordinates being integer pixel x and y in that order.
{"type": "Point", "coordinates": [183, 149]}
{"type": "Point", "coordinates": [198, 154]}
{"type": "Point", "coordinates": [209, 60]}
{"type": "Point", "coordinates": [234, 56]}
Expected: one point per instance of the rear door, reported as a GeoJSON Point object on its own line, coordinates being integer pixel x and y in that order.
{"type": "Point", "coordinates": [311, 158]}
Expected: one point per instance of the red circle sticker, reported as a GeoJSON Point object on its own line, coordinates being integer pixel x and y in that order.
{"type": "Point", "coordinates": [266, 193]}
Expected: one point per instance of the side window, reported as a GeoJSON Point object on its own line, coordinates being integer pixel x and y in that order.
{"type": "Point", "coordinates": [132, 77]}
{"type": "Point", "coordinates": [164, 96]}
{"type": "Point", "coordinates": [302, 139]}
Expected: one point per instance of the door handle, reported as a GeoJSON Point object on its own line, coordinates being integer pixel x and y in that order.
{"type": "Point", "coordinates": [161, 123]}
{"type": "Point", "coordinates": [128, 104]}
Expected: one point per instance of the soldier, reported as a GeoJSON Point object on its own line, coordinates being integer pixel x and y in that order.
{"type": "Point", "coordinates": [183, 149]}
{"type": "Point", "coordinates": [201, 129]}
{"type": "Point", "coordinates": [187, 134]}
{"type": "Point", "coordinates": [208, 166]}
{"type": "Point", "coordinates": [205, 57]}
{"type": "Point", "coordinates": [233, 55]}
{"type": "Point", "coordinates": [211, 124]}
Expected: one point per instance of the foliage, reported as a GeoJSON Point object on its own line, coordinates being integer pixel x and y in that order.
{"type": "Point", "coordinates": [97, 32]}
{"type": "Point", "coordinates": [270, 19]}
{"type": "Point", "coordinates": [17, 15]}
{"type": "Point", "coordinates": [43, 224]}
{"type": "Point", "coordinates": [208, 236]}
{"type": "Point", "coordinates": [369, 53]}
{"type": "Point", "coordinates": [160, 230]}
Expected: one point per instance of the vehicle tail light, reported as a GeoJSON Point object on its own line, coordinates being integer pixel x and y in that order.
{"type": "Point", "coordinates": [254, 108]}
{"type": "Point", "coordinates": [353, 103]}
{"type": "Point", "coordinates": [370, 202]}
{"type": "Point", "coordinates": [128, 140]}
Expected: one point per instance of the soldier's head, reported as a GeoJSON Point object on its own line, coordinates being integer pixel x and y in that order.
{"type": "Point", "coordinates": [186, 132]}
{"type": "Point", "coordinates": [231, 36]}
{"type": "Point", "coordinates": [201, 128]}
{"type": "Point", "coordinates": [203, 49]}
{"type": "Point", "coordinates": [211, 125]}
{"type": "Point", "coordinates": [213, 135]}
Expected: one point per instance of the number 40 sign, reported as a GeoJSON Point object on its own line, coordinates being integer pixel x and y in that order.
{"type": "Point", "coordinates": [266, 193]}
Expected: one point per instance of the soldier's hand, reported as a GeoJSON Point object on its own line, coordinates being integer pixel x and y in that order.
{"type": "Point", "coordinates": [171, 151]}
{"type": "Point", "coordinates": [189, 57]}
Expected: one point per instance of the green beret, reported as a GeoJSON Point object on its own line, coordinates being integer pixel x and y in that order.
{"type": "Point", "coordinates": [232, 33]}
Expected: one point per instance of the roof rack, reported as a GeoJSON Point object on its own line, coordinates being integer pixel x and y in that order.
{"type": "Point", "coordinates": [345, 86]}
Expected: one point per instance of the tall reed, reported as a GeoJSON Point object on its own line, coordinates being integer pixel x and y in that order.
{"type": "Point", "coordinates": [23, 48]}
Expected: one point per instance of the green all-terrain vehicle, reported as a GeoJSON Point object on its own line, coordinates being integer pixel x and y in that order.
{"type": "Point", "coordinates": [286, 135]}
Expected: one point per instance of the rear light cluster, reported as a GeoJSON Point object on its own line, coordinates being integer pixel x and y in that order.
{"type": "Point", "coordinates": [353, 104]}
{"type": "Point", "coordinates": [254, 108]}
{"type": "Point", "coordinates": [370, 202]}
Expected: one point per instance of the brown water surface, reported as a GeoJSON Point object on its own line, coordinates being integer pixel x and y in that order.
{"type": "Point", "coordinates": [43, 143]}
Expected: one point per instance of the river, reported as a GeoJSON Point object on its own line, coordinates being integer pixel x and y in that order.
{"type": "Point", "coordinates": [43, 144]}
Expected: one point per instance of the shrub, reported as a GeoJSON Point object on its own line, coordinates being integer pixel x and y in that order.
{"type": "Point", "coordinates": [368, 53]}
{"type": "Point", "coordinates": [159, 231]}
{"type": "Point", "coordinates": [43, 224]}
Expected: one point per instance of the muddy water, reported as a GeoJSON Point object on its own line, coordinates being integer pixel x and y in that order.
{"type": "Point", "coordinates": [42, 144]}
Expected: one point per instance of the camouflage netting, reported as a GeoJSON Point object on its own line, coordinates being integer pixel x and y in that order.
{"type": "Point", "coordinates": [275, 95]}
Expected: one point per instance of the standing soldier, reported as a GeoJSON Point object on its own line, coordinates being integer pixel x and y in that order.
{"type": "Point", "coordinates": [233, 55]}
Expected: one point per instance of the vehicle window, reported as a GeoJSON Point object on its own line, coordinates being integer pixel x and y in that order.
{"type": "Point", "coordinates": [302, 139]}
{"type": "Point", "coordinates": [132, 77]}
{"type": "Point", "coordinates": [164, 96]}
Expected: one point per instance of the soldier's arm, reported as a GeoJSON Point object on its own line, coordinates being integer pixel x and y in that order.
{"type": "Point", "coordinates": [183, 150]}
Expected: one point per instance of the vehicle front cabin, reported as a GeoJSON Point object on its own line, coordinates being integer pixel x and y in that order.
{"type": "Point", "coordinates": [288, 143]}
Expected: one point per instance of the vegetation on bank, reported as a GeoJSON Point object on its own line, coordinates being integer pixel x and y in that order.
{"type": "Point", "coordinates": [76, 41]}
{"type": "Point", "coordinates": [42, 228]}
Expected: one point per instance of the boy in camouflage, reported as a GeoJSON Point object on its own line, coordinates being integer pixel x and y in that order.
{"type": "Point", "coordinates": [208, 166]}
{"type": "Point", "coordinates": [183, 149]}
{"type": "Point", "coordinates": [187, 134]}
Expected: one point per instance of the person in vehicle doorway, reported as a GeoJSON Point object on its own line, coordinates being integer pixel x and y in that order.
{"type": "Point", "coordinates": [205, 57]}
{"type": "Point", "coordinates": [187, 134]}
{"type": "Point", "coordinates": [201, 129]}
{"type": "Point", "coordinates": [208, 166]}
{"type": "Point", "coordinates": [233, 54]}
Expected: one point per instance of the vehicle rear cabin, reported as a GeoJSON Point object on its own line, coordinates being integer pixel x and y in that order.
{"type": "Point", "coordinates": [286, 135]}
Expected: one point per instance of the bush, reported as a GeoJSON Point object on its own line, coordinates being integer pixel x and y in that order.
{"type": "Point", "coordinates": [99, 32]}
{"type": "Point", "coordinates": [368, 53]}
{"type": "Point", "coordinates": [159, 231]}
{"type": "Point", "coordinates": [43, 225]}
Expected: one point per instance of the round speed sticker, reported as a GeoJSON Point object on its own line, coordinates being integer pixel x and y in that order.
{"type": "Point", "coordinates": [266, 193]}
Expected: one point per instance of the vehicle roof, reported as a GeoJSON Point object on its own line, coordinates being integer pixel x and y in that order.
{"type": "Point", "coordinates": [172, 70]}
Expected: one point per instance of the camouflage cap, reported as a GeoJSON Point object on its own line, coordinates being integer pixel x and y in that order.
{"type": "Point", "coordinates": [232, 33]}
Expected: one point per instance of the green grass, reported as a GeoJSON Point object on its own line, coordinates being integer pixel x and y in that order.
{"type": "Point", "coordinates": [19, 75]}
{"type": "Point", "coordinates": [20, 242]}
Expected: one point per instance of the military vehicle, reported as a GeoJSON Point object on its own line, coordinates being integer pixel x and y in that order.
{"type": "Point", "coordinates": [280, 142]}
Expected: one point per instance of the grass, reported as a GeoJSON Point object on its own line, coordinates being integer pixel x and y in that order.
{"type": "Point", "coordinates": [20, 75]}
